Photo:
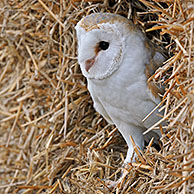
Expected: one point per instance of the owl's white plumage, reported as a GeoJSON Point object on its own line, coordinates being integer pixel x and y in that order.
{"type": "Point", "coordinates": [117, 59]}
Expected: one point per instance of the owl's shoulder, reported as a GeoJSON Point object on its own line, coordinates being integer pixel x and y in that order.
{"type": "Point", "coordinates": [157, 57]}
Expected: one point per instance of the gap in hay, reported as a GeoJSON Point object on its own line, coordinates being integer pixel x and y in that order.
{"type": "Point", "coordinates": [41, 86]}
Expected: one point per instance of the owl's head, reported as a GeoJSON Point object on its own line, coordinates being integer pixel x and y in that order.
{"type": "Point", "coordinates": [101, 43]}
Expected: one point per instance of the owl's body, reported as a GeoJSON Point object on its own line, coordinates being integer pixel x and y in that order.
{"type": "Point", "coordinates": [115, 57]}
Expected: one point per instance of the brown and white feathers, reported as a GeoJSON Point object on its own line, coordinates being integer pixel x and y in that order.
{"type": "Point", "coordinates": [117, 60]}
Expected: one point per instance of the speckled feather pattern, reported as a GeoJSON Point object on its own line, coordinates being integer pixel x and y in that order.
{"type": "Point", "coordinates": [92, 21]}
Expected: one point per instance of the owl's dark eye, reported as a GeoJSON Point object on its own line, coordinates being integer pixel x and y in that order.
{"type": "Point", "coordinates": [103, 45]}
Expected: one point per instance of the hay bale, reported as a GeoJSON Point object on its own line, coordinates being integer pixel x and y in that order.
{"type": "Point", "coordinates": [51, 139]}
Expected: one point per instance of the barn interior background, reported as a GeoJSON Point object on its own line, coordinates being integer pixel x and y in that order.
{"type": "Point", "coordinates": [51, 139]}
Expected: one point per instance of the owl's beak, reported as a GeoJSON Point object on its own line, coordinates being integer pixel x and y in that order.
{"type": "Point", "coordinates": [89, 63]}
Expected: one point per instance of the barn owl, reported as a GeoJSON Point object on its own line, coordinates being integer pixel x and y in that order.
{"type": "Point", "coordinates": [117, 59]}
